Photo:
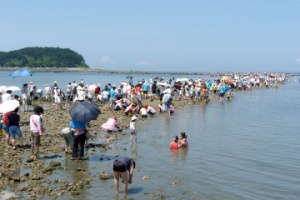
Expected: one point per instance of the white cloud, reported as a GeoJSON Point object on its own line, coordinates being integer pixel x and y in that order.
{"type": "Point", "coordinates": [297, 60]}
{"type": "Point", "coordinates": [107, 60]}
{"type": "Point", "coordinates": [143, 63]}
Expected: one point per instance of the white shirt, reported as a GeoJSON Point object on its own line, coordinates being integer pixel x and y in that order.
{"type": "Point", "coordinates": [167, 91]}
{"type": "Point", "coordinates": [47, 90]}
{"type": "Point", "coordinates": [81, 95]}
{"type": "Point", "coordinates": [6, 97]}
{"type": "Point", "coordinates": [105, 94]}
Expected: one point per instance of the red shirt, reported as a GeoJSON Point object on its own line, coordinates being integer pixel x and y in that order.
{"type": "Point", "coordinates": [5, 118]}
{"type": "Point", "coordinates": [174, 145]}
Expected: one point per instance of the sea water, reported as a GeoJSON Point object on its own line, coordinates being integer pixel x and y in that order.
{"type": "Point", "coordinates": [246, 148]}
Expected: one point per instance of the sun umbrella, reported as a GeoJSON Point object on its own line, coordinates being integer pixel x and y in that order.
{"type": "Point", "coordinates": [3, 88]}
{"type": "Point", "coordinates": [157, 78]}
{"type": "Point", "coordinates": [182, 79]}
{"type": "Point", "coordinates": [9, 105]}
{"type": "Point", "coordinates": [12, 88]}
{"type": "Point", "coordinates": [21, 73]}
{"type": "Point", "coordinates": [226, 78]}
{"type": "Point", "coordinates": [160, 83]}
{"type": "Point", "coordinates": [84, 111]}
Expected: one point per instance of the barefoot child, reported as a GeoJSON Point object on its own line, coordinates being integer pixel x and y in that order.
{"type": "Point", "coordinates": [133, 131]}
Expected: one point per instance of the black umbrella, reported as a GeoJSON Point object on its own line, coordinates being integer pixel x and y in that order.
{"type": "Point", "coordinates": [84, 111]}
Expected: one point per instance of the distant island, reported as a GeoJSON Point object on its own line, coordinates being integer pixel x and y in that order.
{"type": "Point", "coordinates": [42, 57]}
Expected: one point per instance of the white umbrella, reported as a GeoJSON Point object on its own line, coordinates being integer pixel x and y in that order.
{"type": "Point", "coordinates": [9, 105]}
{"type": "Point", "coordinates": [182, 79]}
{"type": "Point", "coordinates": [3, 87]}
{"type": "Point", "coordinates": [92, 87]}
{"type": "Point", "coordinates": [13, 88]}
{"type": "Point", "coordinates": [160, 83]}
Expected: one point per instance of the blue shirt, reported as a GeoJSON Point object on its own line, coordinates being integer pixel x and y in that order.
{"type": "Point", "coordinates": [145, 87]}
{"type": "Point", "coordinates": [77, 124]}
{"type": "Point", "coordinates": [112, 94]}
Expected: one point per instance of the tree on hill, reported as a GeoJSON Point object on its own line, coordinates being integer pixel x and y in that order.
{"type": "Point", "coordinates": [42, 57]}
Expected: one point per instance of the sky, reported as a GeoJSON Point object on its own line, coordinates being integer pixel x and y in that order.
{"type": "Point", "coordinates": [161, 35]}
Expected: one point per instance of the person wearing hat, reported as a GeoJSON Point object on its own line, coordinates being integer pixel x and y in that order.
{"type": "Point", "coordinates": [123, 168]}
{"type": "Point", "coordinates": [133, 130]}
{"type": "Point", "coordinates": [150, 109]}
{"type": "Point", "coordinates": [67, 134]}
{"type": "Point", "coordinates": [174, 143]}
{"type": "Point", "coordinates": [143, 112]}
{"type": "Point", "coordinates": [25, 96]}
{"type": "Point", "coordinates": [111, 125]}
{"type": "Point", "coordinates": [31, 86]}
{"type": "Point", "coordinates": [47, 91]}
{"type": "Point", "coordinates": [57, 93]}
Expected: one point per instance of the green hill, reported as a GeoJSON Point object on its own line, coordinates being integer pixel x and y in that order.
{"type": "Point", "coordinates": [34, 57]}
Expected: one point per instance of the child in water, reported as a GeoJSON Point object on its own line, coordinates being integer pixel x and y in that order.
{"type": "Point", "coordinates": [183, 140]}
{"type": "Point", "coordinates": [133, 130]}
{"type": "Point", "coordinates": [174, 143]}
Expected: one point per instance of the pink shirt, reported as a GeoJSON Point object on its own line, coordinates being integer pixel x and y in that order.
{"type": "Point", "coordinates": [36, 123]}
{"type": "Point", "coordinates": [110, 125]}
{"type": "Point", "coordinates": [151, 110]}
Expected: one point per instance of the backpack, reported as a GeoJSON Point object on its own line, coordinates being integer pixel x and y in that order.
{"type": "Point", "coordinates": [74, 90]}
{"type": "Point", "coordinates": [170, 98]}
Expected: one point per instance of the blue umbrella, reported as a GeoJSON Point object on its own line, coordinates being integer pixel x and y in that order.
{"type": "Point", "coordinates": [21, 73]}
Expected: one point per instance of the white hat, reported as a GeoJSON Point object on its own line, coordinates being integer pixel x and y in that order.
{"type": "Point", "coordinates": [133, 118]}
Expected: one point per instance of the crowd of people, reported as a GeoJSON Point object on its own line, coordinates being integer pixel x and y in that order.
{"type": "Point", "coordinates": [127, 98]}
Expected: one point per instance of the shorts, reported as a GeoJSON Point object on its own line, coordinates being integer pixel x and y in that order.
{"type": "Point", "coordinates": [222, 94]}
{"type": "Point", "coordinates": [57, 99]}
{"type": "Point", "coordinates": [132, 132]}
{"type": "Point", "coordinates": [6, 128]}
{"type": "Point", "coordinates": [105, 100]}
{"type": "Point", "coordinates": [167, 106]}
{"type": "Point", "coordinates": [119, 166]}
{"type": "Point", "coordinates": [24, 99]}
{"type": "Point", "coordinates": [145, 92]}
{"type": "Point", "coordinates": [69, 139]}
{"type": "Point", "coordinates": [15, 130]}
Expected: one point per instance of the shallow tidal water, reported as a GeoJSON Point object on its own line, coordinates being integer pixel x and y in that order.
{"type": "Point", "coordinates": [246, 148]}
